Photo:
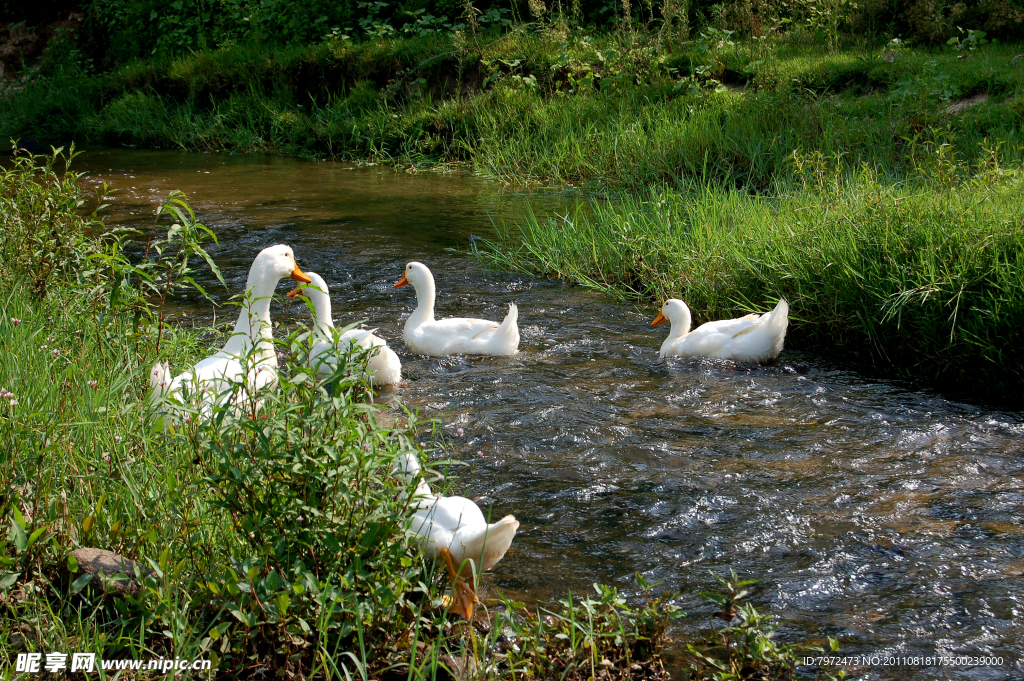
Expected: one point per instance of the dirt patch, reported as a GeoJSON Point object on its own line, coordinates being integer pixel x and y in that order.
{"type": "Point", "coordinates": [22, 46]}
{"type": "Point", "coordinates": [964, 104]}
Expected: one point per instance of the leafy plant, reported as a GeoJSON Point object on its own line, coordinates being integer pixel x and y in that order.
{"type": "Point", "coordinates": [745, 648]}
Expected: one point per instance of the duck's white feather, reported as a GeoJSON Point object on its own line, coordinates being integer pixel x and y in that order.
{"type": "Point", "coordinates": [456, 524]}
{"type": "Point", "coordinates": [383, 364]}
{"type": "Point", "coordinates": [752, 338]}
{"type": "Point", "coordinates": [438, 337]}
{"type": "Point", "coordinates": [247, 363]}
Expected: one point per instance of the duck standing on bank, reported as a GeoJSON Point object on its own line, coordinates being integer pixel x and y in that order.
{"type": "Point", "coordinates": [383, 366]}
{"type": "Point", "coordinates": [754, 338]}
{"type": "Point", "coordinates": [248, 358]}
{"type": "Point", "coordinates": [455, 530]}
{"type": "Point", "coordinates": [428, 336]}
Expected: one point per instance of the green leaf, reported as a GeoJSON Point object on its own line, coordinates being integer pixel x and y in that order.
{"type": "Point", "coordinates": [72, 564]}
{"type": "Point", "coordinates": [717, 598]}
{"type": "Point", "coordinates": [9, 579]}
{"type": "Point", "coordinates": [20, 538]}
{"type": "Point", "coordinates": [80, 583]}
{"type": "Point", "coordinates": [35, 535]}
{"type": "Point", "coordinates": [282, 604]}
{"type": "Point", "coordinates": [88, 523]}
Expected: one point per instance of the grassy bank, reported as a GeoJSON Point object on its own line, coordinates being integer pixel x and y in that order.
{"type": "Point", "coordinates": [274, 543]}
{"type": "Point", "coordinates": [922, 278]}
{"type": "Point", "coordinates": [548, 105]}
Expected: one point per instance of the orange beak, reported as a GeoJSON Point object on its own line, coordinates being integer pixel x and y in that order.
{"type": "Point", "coordinates": [659, 320]}
{"type": "Point", "coordinates": [295, 293]}
{"type": "Point", "coordinates": [402, 282]}
{"type": "Point", "coordinates": [298, 275]}
{"type": "Point", "coordinates": [463, 594]}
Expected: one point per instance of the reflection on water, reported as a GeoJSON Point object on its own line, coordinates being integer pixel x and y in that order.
{"type": "Point", "coordinates": [888, 518]}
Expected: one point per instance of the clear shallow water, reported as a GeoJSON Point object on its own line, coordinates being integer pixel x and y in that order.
{"type": "Point", "coordinates": [890, 518]}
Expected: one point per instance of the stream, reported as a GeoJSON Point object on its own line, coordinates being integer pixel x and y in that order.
{"type": "Point", "coordinates": [890, 518]}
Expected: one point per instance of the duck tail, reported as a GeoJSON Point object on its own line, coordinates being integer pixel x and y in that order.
{"type": "Point", "coordinates": [775, 325]}
{"type": "Point", "coordinates": [498, 540]}
{"type": "Point", "coordinates": [507, 334]}
{"type": "Point", "coordinates": [160, 379]}
{"type": "Point", "coordinates": [384, 366]}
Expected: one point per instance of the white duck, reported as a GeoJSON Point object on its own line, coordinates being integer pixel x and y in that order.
{"type": "Point", "coordinates": [249, 353]}
{"type": "Point", "coordinates": [753, 338]}
{"type": "Point", "coordinates": [454, 529]}
{"type": "Point", "coordinates": [384, 366]}
{"type": "Point", "coordinates": [429, 336]}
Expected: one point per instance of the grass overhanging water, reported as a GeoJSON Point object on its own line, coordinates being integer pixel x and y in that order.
{"type": "Point", "coordinates": [269, 540]}
{"type": "Point", "coordinates": [924, 278]}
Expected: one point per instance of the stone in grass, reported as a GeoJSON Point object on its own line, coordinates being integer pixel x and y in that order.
{"type": "Point", "coordinates": [116, 572]}
{"type": "Point", "coordinates": [958, 108]}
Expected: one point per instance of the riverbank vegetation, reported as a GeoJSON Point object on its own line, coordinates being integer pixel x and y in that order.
{"type": "Point", "coordinates": [265, 542]}
{"type": "Point", "coordinates": [925, 277]}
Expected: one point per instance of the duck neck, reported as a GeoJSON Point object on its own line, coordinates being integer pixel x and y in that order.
{"type": "Point", "coordinates": [321, 313]}
{"type": "Point", "coordinates": [409, 468]}
{"type": "Point", "coordinates": [253, 326]}
{"type": "Point", "coordinates": [424, 303]}
{"type": "Point", "coordinates": [681, 324]}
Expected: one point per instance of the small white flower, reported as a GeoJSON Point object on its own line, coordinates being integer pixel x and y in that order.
{"type": "Point", "coordinates": [106, 457]}
{"type": "Point", "coordinates": [14, 403]}
{"type": "Point", "coordinates": [479, 453]}
{"type": "Point", "coordinates": [459, 432]}
{"type": "Point", "coordinates": [300, 518]}
{"type": "Point", "coordinates": [91, 384]}
{"type": "Point", "coordinates": [56, 352]}
{"type": "Point", "coordinates": [440, 477]}
{"type": "Point", "coordinates": [43, 348]}
{"type": "Point", "coordinates": [49, 339]}
{"type": "Point", "coordinates": [15, 321]}
{"type": "Point", "coordinates": [117, 438]}
{"type": "Point", "coordinates": [437, 494]}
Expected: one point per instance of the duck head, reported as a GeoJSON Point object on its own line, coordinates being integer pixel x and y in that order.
{"type": "Point", "coordinates": [676, 312]}
{"type": "Point", "coordinates": [275, 263]}
{"type": "Point", "coordinates": [417, 274]}
{"type": "Point", "coordinates": [314, 288]}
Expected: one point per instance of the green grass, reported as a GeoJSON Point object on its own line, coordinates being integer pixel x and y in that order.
{"type": "Point", "coordinates": [603, 111]}
{"type": "Point", "coordinates": [921, 278]}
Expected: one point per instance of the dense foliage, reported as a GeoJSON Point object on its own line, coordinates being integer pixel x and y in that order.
{"type": "Point", "coordinates": [115, 31]}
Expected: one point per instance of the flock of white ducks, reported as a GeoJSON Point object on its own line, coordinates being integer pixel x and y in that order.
{"type": "Point", "coordinates": [450, 528]}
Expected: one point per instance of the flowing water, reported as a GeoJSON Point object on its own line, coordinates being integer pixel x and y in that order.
{"type": "Point", "coordinates": [889, 518]}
